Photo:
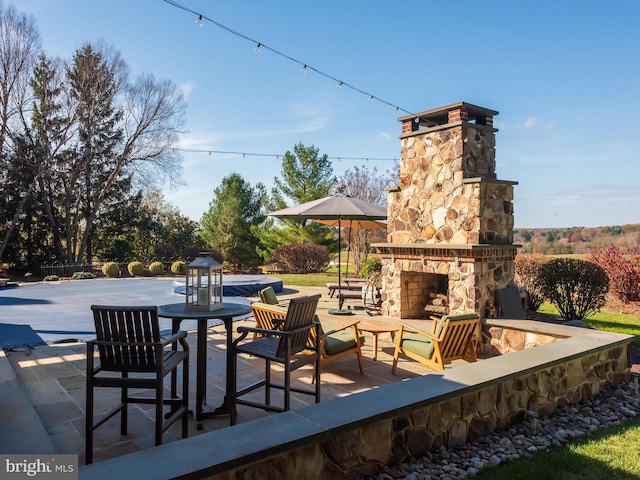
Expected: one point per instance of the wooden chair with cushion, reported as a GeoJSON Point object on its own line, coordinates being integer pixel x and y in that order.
{"type": "Point", "coordinates": [129, 344]}
{"type": "Point", "coordinates": [288, 346]}
{"type": "Point", "coordinates": [335, 343]}
{"type": "Point", "coordinates": [449, 338]}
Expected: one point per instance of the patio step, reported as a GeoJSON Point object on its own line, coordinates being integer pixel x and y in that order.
{"type": "Point", "coordinates": [21, 430]}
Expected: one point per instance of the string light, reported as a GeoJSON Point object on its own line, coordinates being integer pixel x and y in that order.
{"type": "Point", "coordinates": [275, 155]}
{"type": "Point", "coordinates": [305, 67]}
{"type": "Point", "coordinates": [303, 70]}
{"type": "Point", "coordinates": [199, 21]}
{"type": "Point", "coordinates": [257, 48]}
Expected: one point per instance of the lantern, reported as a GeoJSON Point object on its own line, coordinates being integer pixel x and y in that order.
{"type": "Point", "coordinates": [203, 284]}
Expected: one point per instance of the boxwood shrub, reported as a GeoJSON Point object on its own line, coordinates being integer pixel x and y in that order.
{"type": "Point", "coordinates": [156, 268]}
{"type": "Point", "coordinates": [136, 269]}
{"type": "Point", "coordinates": [179, 267]}
{"type": "Point", "coordinates": [111, 269]}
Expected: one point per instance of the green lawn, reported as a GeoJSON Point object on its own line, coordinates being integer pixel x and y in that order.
{"type": "Point", "coordinates": [606, 321]}
{"type": "Point", "coordinates": [609, 454]}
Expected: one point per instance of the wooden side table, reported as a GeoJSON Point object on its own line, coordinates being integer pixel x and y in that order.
{"type": "Point", "coordinates": [376, 327]}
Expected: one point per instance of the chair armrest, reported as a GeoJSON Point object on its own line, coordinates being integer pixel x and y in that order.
{"type": "Point", "coordinates": [345, 326]}
{"type": "Point", "coordinates": [174, 338]}
{"type": "Point", "coordinates": [419, 329]}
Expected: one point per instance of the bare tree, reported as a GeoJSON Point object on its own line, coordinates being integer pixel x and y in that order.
{"type": "Point", "coordinates": [19, 47]}
{"type": "Point", "coordinates": [368, 185]}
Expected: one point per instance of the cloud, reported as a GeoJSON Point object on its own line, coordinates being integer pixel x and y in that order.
{"type": "Point", "coordinates": [530, 122]}
{"type": "Point", "coordinates": [383, 135]}
{"type": "Point", "coordinates": [187, 88]}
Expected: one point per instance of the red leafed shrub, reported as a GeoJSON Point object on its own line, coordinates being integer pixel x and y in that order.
{"type": "Point", "coordinates": [302, 258]}
{"type": "Point", "coordinates": [528, 270]}
{"type": "Point", "coordinates": [577, 288]}
{"type": "Point", "coordinates": [623, 270]}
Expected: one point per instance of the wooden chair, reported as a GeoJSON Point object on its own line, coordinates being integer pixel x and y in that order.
{"type": "Point", "coordinates": [339, 343]}
{"type": "Point", "coordinates": [268, 295]}
{"type": "Point", "coordinates": [129, 344]}
{"type": "Point", "coordinates": [451, 337]}
{"type": "Point", "coordinates": [334, 344]}
{"type": "Point", "coordinates": [288, 346]}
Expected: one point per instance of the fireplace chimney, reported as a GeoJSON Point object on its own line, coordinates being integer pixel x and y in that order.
{"type": "Point", "coordinates": [449, 215]}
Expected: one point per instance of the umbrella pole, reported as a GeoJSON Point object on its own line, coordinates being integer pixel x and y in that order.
{"type": "Point", "coordinates": [338, 311]}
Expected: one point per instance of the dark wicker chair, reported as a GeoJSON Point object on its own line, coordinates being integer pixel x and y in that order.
{"type": "Point", "coordinates": [129, 344]}
{"type": "Point", "coordinates": [289, 346]}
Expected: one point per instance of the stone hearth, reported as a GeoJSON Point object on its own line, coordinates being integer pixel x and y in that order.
{"type": "Point", "coordinates": [449, 215]}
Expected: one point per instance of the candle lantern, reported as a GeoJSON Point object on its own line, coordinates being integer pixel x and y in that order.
{"type": "Point", "coordinates": [203, 284]}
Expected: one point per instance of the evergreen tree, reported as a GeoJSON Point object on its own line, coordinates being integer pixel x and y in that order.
{"type": "Point", "coordinates": [228, 225]}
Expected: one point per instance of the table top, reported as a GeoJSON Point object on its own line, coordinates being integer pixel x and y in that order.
{"type": "Point", "coordinates": [228, 311]}
{"type": "Point", "coordinates": [377, 326]}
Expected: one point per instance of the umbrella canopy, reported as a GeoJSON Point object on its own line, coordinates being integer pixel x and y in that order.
{"type": "Point", "coordinates": [337, 210]}
{"type": "Point", "coordinates": [333, 208]}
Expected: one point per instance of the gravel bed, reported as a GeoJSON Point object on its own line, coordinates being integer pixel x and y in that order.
{"type": "Point", "coordinates": [613, 406]}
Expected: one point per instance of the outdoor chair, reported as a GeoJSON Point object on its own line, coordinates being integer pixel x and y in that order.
{"type": "Point", "coordinates": [288, 346]}
{"type": "Point", "coordinates": [129, 345]}
{"type": "Point", "coordinates": [334, 344]}
{"type": "Point", "coordinates": [451, 337]}
{"type": "Point", "coordinates": [268, 295]}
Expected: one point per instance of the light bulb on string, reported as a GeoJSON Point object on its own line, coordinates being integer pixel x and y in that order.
{"type": "Point", "coordinates": [371, 99]}
{"type": "Point", "coordinates": [199, 21]}
{"type": "Point", "coordinates": [257, 48]}
{"type": "Point", "coordinates": [339, 85]}
{"type": "Point", "coordinates": [303, 70]}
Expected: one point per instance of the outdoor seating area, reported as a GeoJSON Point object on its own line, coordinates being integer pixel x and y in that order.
{"type": "Point", "coordinates": [51, 385]}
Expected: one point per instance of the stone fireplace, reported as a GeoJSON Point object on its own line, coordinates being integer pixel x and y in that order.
{"type": "Point", "coordinates": [450, 220]}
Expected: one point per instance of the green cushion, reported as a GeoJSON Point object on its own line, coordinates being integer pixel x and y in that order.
{"type": "Point", "coordinates": [269, 296]}
{"type": "Point", "coordinates": [418, 344]}
{"type": "Point", "coordinates": [340, 341]}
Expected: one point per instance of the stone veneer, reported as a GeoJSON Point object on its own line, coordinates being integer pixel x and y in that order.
{"type": "Point", "coordinates": [354, 436]}
{"type": "Point", "coordinates": [449, 213]}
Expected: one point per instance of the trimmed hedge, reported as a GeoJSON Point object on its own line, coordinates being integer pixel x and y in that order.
{"type": "Point", "coordinates": [156, 268]}
{"type": "Point", "coordinates": [136, 269]}
{"type": "Point", "coordinates": [111, 269]}
{"type": "Point", "coordinates": [179, 267]}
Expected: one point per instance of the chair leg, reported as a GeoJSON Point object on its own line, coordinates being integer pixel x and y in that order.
{"type": "Point", "coordinates": [124, 413]}
{"type": "Point", "coordinates": [287, 386]}
{"type": "Point", "coordinates": [88, 433]}
{"type": "Point", "coordinates": [267, 387]}
{"type": "Point", "coordinates": [185, 397]}
{"type": "Point", "coordinates": [159, 413]}
{"type": "Point", "coordinates": [316, 367]}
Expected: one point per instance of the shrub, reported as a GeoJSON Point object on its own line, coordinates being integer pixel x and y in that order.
{"type": "Point", "coordinates": [51, 278]}
{"type": "Point", "coordinates": [623, 271]}
{"type": "Point", "coordinates": [111, 269]}
{"type": "Point", "coordinates": [179, 267]}
{"type": "Point", "coordinates": [528, 270]}
{"type": "Point", "coordinates": [372, 265]}
{"type": "Point", "coordinates": [577, 288]}
{"type": "Point", "coordinates": [302, 258]}
{"type": "Point", "coordinates": [156, 268]}
{"type": "Point", "coordinates": [82, 275]}
{"type": "Point", "coordinates": [136, 269]}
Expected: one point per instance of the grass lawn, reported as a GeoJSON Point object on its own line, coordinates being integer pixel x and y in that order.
{"type": "Point", "coordinates": [609, 454]}
{"type": "Point", "coordinates": [606, 321]}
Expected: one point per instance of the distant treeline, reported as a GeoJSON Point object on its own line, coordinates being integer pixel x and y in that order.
{"type": "Point", "coordinates": [576, 240]}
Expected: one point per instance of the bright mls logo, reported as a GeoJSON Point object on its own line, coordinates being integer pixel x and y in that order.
{"type": "Point", "coordinates": [51, 467]}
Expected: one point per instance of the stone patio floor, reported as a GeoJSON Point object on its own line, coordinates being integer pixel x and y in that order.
{"type": "Point", "coordinates": [45, 390]}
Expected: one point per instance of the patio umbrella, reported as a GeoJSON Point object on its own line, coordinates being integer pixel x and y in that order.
{"type": "Point", "coordinates": [336, 210]}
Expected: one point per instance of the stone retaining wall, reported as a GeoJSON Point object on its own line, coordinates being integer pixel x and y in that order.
{"type": "Point", "coordinates": [355, 436]}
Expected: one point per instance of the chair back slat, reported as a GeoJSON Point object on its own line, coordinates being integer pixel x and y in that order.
{"type": "Point", "coordinates": [126, 337]}
{"type": "Point", "coordinates": [457, 337]}
{"type": "Point", "coordinates": [299, 322]}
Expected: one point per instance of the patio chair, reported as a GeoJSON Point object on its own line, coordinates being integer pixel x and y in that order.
{"type": "Point", "coordinates": [288, 346]}
{"type": "Point", "coordinates": [451, 337]}
{"type": "Point", "coordinates": [129, 344]}
{"type": "Point", "coordinates": [334, 344]}
{"type": "Point", "coordinates": [510, 303]}
{"type": "Point", "coordinates": [268, 295]}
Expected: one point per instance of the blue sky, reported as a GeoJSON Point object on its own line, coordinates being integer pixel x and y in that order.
{"type": "Point", "coordinates": [563, 75]}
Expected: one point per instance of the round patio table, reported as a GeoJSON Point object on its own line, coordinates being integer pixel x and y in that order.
{"type": "Point", "coordinates": [178, 312]}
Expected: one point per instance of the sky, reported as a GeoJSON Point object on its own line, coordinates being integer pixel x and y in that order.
{"type": "Point", "coordinates": [564, 77]}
